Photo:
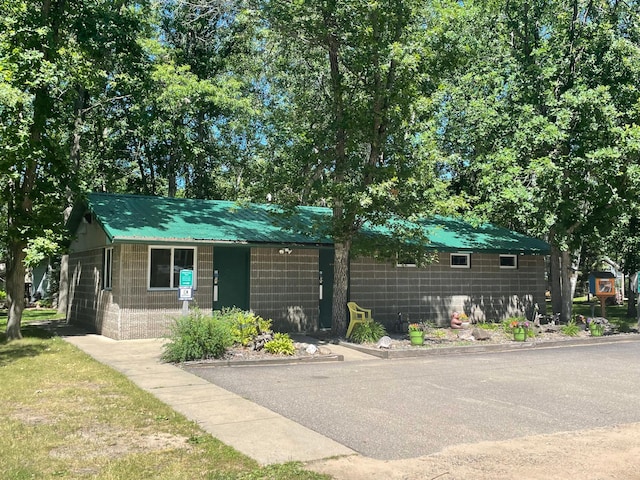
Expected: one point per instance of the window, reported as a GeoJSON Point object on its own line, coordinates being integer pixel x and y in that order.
{"type": "Point", "coordinates": [460, 260]}
{"type": "Point", "coordinates": [508, 261]}
{"type": "Point", "coordinates": [165, 264]}
{"type": "Point", "coordinates": [405, 261]}
{"type": "Point", "coordinates": [107, 271]}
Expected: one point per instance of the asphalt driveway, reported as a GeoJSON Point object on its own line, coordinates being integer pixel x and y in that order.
{"type": "Point", "coordinates": [404, 408]}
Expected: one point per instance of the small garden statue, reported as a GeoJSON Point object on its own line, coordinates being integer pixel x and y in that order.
{"type": "Point", "coordinates": [456, 321]}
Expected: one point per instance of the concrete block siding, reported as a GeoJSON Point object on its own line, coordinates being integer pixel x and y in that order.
{"type": "Point", "coordinates": [284, 287]}
{"type": "Point", "coordinates": [129, 310]}
{"type": "Point", "coordinates": [484, 291]}
{"type": "Point", "coordinates": [89, 304]}
{"type": "Point", "coordinates": [150, 313]}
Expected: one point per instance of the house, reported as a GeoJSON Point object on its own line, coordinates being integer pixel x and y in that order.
{"type": "Point", "coordinates": [125, 261]}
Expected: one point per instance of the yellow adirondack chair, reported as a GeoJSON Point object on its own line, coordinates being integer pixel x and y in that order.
{"type": "Point", "coordinates": [357, 315]}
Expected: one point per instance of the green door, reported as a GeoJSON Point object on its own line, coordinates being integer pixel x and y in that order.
{"type": "Point", "coordinates": [325, 261]}
{"type": "Point", "coordinates": [231, 277]}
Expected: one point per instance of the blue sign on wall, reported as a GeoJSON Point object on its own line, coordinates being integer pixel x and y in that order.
{"type": "Point", "coordinates": [186, 278]}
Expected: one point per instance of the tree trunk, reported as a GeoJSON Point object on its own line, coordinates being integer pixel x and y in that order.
{"type": "Point", "coordinates": [63, 285]}
{"type": "Point", "coordinates": [631, 303]}
{"type": "Point", "coordinates": [340, 288]}
{"type": "Point", "coordinates": [78, 114]}
{"type": "Point", "coordinates": [632, 294]}
{"type": "Point", "coordinates": [569, 271]}
{"type": "Point", "coordinates": [342, 245]}
{"type": "Point", "coordinates": [172, 190]}
{"type": "Point", "coordinates": [555, 279]}
{"type": "Point", "coordinates": [15, 289]}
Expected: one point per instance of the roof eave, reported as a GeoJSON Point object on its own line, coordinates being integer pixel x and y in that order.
{"type": "Point", "coordinates": [194, 241]}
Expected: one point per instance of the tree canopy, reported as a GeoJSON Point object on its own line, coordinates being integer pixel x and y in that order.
{"type": "Point", "coordinates": [540, 128]}
{"type": "Point", "coordinates": [522, 113]}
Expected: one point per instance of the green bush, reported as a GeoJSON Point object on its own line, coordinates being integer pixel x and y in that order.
{"type": "Point", "coordinates": [198, 337]}
{"type": "Point", "coordinates": [367, 332]}
{"type": "Point", "coordinates": [570, 329]}
{"type": "Point", "coordinates": [245, 325]}
{"type": "Point", "coordinates": [281, 344]}
{"type": "Point", "coordinates": [3, 298]}
{"type": "Point", "coordinates": [45, 303]}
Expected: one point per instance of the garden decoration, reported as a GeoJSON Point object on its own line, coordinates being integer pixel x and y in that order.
{"type": "Point", "coordinates": [457, 319]}
{"type": "Point", "coordinates": [520, 330]}
{"type": "Point", "coordinates": [596, 328]}
{"type": "Point", "coordinates": [416, 334]}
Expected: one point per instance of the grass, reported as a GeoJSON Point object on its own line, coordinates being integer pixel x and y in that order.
{"type": "Point", "coordinates": [64, 415]}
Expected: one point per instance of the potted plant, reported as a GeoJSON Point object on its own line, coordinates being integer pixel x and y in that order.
{"type": "Point", "coordinates": [416, 333]}
{"type": "Point", "coordinates": [520, 329]}
{"type": "Point", "coordinates": [595, 326]}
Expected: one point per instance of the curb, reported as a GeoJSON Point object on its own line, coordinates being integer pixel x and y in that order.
{"type": "Point", "coordinates": [503, 347]}
{"type": "Point", "coordinates": [261, 361]}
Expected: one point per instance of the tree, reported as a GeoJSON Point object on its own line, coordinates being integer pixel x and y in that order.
{"type": "Point", "coordinates": [542, 134]}
{"type": "Point", "coordinates": [347, 86]}
{"type": "Point", "coordinates": [50, 56]}
{"type": "Point", "coordinates": [177, 120]}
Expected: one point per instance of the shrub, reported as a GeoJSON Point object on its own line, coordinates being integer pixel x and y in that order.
{"type": "Point", "coordinates": [45, 303]}
{"type": "Point", "coordinates": [197, 337]}
{"type": "Point", "coordinates": [281, 344]}
{"type": "Point", "coordinates": [367, 332]}
{"type": "Point", "coordinates": [3, 298]}
{"type": "Point", "coordinates": [244, 325]}
{"type": "Point", "coordinates": [570, 329]}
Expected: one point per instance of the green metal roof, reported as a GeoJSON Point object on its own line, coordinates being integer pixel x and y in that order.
{"type": "Point", "coordinates": [134, 218]}
{"type": "Point", "coordinates": [452, 234]}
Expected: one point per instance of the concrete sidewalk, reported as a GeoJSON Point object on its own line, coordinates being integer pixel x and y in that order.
{"type": "Point", "coordinates": [251, 429]}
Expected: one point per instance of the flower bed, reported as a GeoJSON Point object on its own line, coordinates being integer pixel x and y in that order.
{"type": "Point", "coordinates": [447, 337]}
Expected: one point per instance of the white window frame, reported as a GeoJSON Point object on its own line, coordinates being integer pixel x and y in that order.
{"type": "Point", "coordinates": [172, 266]}
{"type": "Point", "coordinates": [458, 254]}
{"type": "Point", "coordinates": [508, 267]}
{"type": "Point", "coordinates": [107, 269]}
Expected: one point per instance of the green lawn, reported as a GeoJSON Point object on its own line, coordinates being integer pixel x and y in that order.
{"type": "Point", "coordinates": [65, 415]}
